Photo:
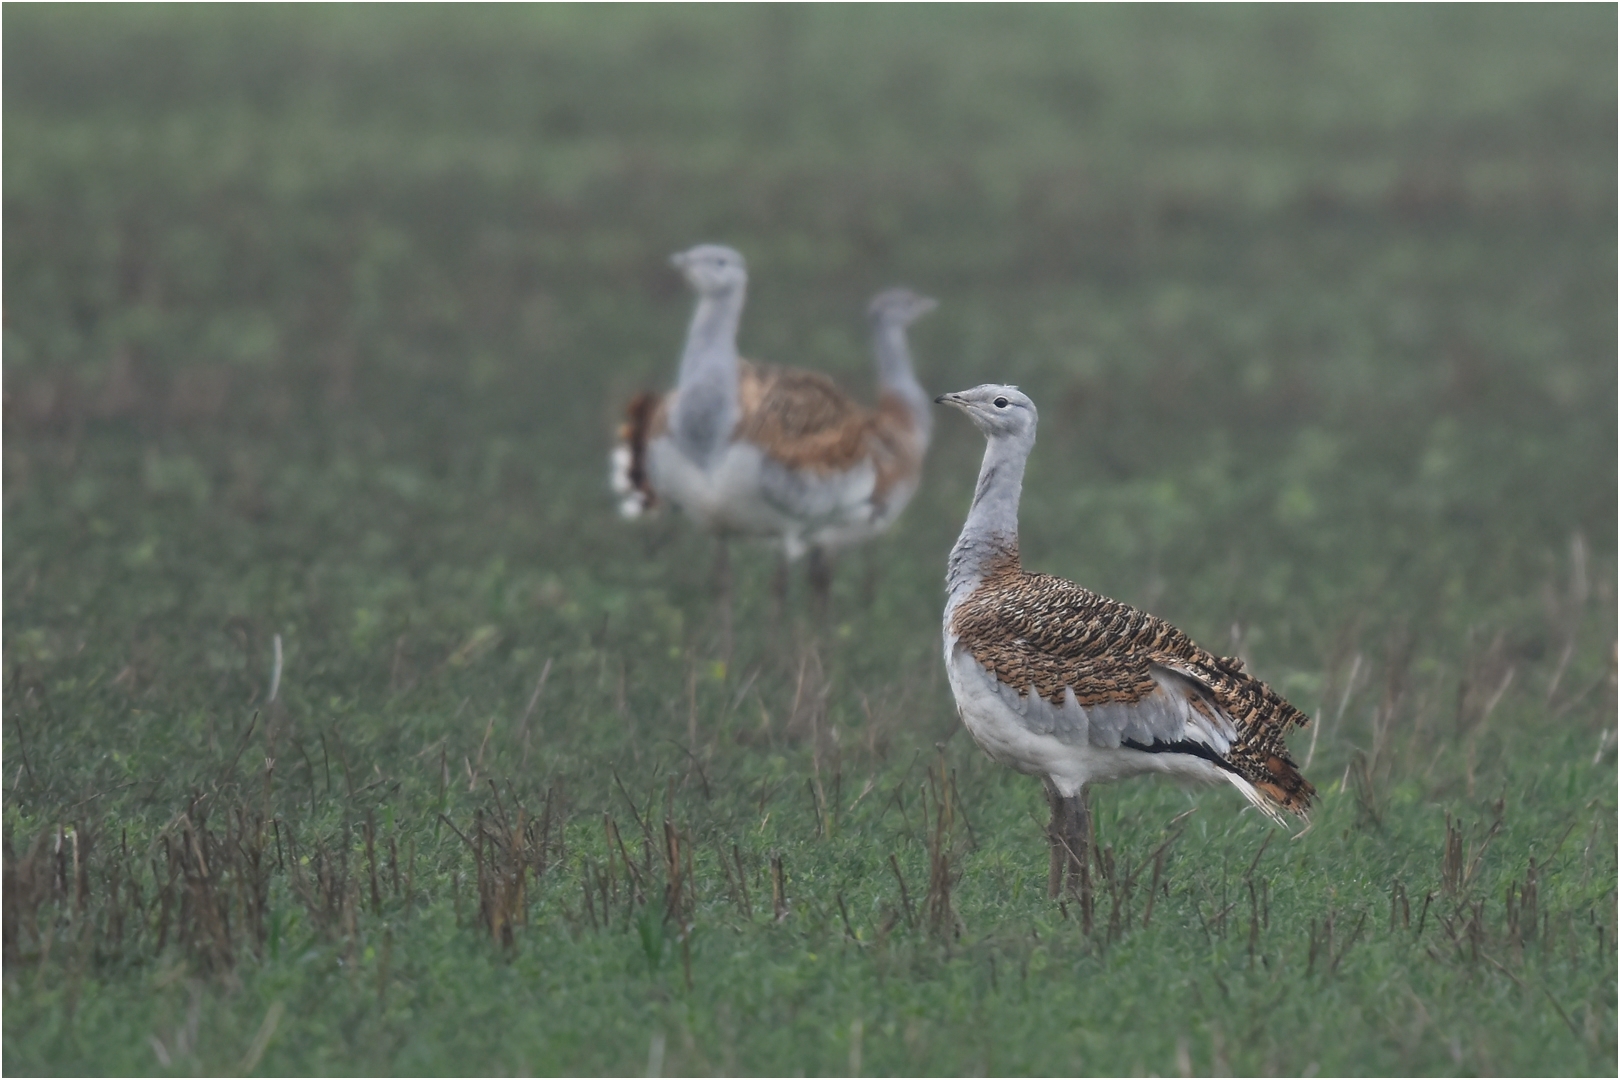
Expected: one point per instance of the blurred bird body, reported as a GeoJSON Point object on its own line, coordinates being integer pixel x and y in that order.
{"type": "Point", "coordinates": [1061, 683]}
{"type": "Point", "coordinates": [750, 449]}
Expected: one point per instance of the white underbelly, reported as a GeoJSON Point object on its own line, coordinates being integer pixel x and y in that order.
{"type": "Point", "coordinates": [745, 493]}
{"type": "Point", "coordinates": [832, 509]}
{"type": "Point", "coordinates": [997, 718]}
{"type": "Point", "coordinates": [865, 518]}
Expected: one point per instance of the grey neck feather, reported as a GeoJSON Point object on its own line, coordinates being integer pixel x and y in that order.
{"type": "Point", "coordinates": [706, 410]}
{"type": "Point", "coordinates": [894, 372]}
{"type": "Point", "coordinates": [991, 529]}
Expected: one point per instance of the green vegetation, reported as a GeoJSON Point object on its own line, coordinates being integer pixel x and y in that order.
{"type": "Point", "coordinates": [317, 321]}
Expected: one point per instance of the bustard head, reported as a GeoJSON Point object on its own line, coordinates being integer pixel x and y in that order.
{"type": "Point", "coordinates": [900, 307]}
{"type": "Point", "coordinates": [711, 269]}
{"type": "Point", "coordinates": [999, 411]}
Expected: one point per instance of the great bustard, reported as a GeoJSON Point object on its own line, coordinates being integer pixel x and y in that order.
{"type": "Point", "coordinates": [751, 449]}
{"type": "Point", "coordinates": [1058, 682]}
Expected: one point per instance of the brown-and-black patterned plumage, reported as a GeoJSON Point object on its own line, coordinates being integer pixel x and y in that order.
{"type": "Point", "coordinates": [1047, 635]}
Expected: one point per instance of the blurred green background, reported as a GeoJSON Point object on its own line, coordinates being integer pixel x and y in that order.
{"type": "Point", "coordinates": [317, 324]}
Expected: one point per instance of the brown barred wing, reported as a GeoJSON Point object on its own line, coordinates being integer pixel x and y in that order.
{"type": "Point", "coordinates": [1042, 632]}
{"type": "Point", "coordinates": [1142, 682]}
{"type": "Point", "coordinates": [801, 419]}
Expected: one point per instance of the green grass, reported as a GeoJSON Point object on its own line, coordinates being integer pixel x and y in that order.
{"type": "Point", "coordinates": [317, 323]}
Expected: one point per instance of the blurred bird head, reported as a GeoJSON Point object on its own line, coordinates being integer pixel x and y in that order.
{"type": "Point", "coordinates": [899, 307]}
{"type": "Point", "coordinates": [999, 411]}
{"type": "Point", "coordinates": [711, 269]}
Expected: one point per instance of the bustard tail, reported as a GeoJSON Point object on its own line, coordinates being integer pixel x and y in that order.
{"type": "Point", "coordinates": [1276, 785]}
{"type": "Point", "coordinates": [630, 483]}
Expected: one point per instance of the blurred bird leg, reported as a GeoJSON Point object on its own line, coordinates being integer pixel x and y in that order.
{"type": "Point", "coordinates": [820, 572]}
{"type": "Point", "coordinates": [722, 589]}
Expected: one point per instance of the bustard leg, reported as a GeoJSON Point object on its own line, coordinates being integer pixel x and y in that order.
{"type": "Point", "coordinates": [1082, 847]}
{"type": "Point", "coordinates": [1057, 855]}
{"type": "Point", "coordinates": [1069, 836]}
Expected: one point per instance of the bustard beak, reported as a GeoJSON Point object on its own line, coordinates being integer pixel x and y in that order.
{"type": "Point", "coordinates": [678, 260]}
{"type": "Point", "coordinates": [951, 399]}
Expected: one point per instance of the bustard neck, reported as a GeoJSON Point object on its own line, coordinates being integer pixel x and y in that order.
{"type": "Point", "coordinates": [990, 535]}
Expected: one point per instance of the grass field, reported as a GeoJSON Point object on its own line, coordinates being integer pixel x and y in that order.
{"type": "Point", "coordinates": [317, 322]}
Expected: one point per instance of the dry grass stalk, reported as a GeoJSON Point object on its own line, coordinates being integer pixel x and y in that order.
{"type": "Point", "coordinates": [843, 911]}
{"type": "Point", "coordinates": [779, 902]}
{"type": "Point", "coordinates": [940, 803]}
{"type": "Point", "coordinates": [1322, 946]}
{"type": "Point", "coordinates": [528, 711]}
{"type": "Point", "coordinates": [810, 692]}
{"type": "Point", "coordinates": [1565, 612]}
{"type": "Point", "coordinates": [36, 888]}
{"type": "Point", "coordinates": [736, 883]}
{"type": "Point", "coordinates": [1486, 678]}
{"type": "Point", "coordinates": [636, 893]}
{"type": "Point", "coordinates": [1522, 902]}
{"type": "Point", "coordinates": [506, 846]}
{"type": "Point", "coordinates": [1459, 862]}
{"type": "Point", "coordinates": [680, 892]}
{"type": "Point", "coordinates": [1369, 796]}
{"type": "Point", "coordinates": [210, 900]}
{"type": "Point", "coordinates": [905, 895]}
{"type": "Point", "coordinates": [1369, 770]}
{"type": "Point", "coordinates": [1398, 901]}
{"type": "Point", "coordinates": [501, 877]}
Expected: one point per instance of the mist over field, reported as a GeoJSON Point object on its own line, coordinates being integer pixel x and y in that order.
{"type": "Point", "coordinates": [318, 323]}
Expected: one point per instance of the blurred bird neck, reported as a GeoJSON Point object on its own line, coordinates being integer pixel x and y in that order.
{"type": "Point", "coordinates": [895, 376]}
{"type": "Point", "coordinates": [706, 409]}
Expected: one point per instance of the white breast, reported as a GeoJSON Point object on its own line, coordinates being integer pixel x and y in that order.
{"type": "Point", "coordinates": [724, 498]}
{"type": "Point", "coordinates": [992, 717]}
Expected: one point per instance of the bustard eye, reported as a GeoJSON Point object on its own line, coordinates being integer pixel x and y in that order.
{"type": "Point", "coordinates": [1001, 403]}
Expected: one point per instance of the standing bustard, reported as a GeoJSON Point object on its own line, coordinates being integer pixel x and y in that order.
{"type": "Point", "coordinates": [1058, 682]}
{"type": "Point", "coordinates": [752, 449]}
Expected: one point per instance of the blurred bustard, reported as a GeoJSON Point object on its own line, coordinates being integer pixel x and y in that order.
{"type": "Point", "coordinates": [1058, 682]}
{"type": "Point", "coordinates": [751, 449]}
